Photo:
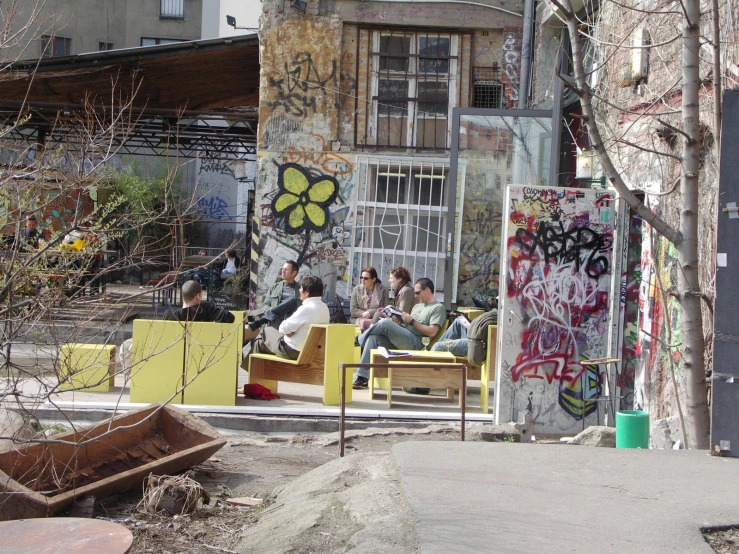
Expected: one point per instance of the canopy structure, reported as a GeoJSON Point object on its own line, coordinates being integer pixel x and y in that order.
{"type": "Point", "coordinates": [197, 98]}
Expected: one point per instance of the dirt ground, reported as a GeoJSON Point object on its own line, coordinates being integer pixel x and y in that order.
{"type": "Point", "coordinates": [253, 466]}
{"type": "Point", "coordinates": [724, 541]}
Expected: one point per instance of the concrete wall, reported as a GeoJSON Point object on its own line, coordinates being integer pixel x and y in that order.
{"type": "Point", "coordinates": [246, 12]}
{"type": "Point", "coordinates": [90, 22]}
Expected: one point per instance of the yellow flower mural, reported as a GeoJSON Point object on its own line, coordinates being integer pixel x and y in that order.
{"type": "Point", "coordinates": [302, 200]}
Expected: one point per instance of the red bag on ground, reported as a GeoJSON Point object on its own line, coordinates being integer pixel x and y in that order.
{"type": "Point", "coordinates": [258, 392]}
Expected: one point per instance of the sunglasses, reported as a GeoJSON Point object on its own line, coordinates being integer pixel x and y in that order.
{"type": "Point", "coordinates": [417, 292]}
{"type": "Point", "coordinates": [365, 278]}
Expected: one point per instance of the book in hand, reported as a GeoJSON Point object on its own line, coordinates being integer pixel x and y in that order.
{"type": "Point", "coordinates": [384, 352]}
{"type": "Point", "coordinates": [390, 311]}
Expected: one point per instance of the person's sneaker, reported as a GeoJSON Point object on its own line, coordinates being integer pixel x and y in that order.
{"type": "Point", "coordinates": [356, 341]}
{"type": "Point", "coordinates": [360, 383]}
{"type": "Point", "coordinates": [416, 390]}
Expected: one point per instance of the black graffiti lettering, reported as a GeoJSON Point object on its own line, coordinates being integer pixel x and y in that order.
{"type": "Point", "coordinates": [296, 90]}
{"type": "Point", "coordinates": [569, 246]}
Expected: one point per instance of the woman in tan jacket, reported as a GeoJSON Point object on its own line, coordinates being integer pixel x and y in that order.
{"type": "Point", "coordinates": [368, 298]}
{"type": "Point", "coordinates": [403, 297]}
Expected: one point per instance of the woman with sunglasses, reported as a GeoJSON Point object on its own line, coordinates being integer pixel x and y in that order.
{"type": "Point", "coordinates": [368, 298]}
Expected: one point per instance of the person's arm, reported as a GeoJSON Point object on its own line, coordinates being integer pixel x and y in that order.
{"type": "Point", "coordinates": [384, 301]}
{"type": "Point", "coordinates": [426, 330]}
{"type": "Point", "coordinates": [355, 309]}
{"type": "Point", "coordinates": [217, 315]}
{"type": "Point", "coordinates": [270, 300]}
{"type": "Point", "coordinates": [405, 299]}
{"type": "Point", "coordinates": [294, 322]}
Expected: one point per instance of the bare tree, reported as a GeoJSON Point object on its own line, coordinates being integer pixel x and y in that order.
{"type": "Point", "coordinates": [611, 119]}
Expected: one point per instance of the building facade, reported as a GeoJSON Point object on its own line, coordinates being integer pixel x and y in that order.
{"type": "Point", "coordinates": [355, 132]}
{"type": "Point", "coordinates": [68, 27]}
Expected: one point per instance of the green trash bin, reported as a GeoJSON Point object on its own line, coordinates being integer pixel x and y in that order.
{"type": "Point", "coordinates": [632, 429]}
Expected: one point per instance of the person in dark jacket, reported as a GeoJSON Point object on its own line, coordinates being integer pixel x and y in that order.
{"type": "Point", "coordinates": [194, 309]}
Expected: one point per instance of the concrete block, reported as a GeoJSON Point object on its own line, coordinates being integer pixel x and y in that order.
{"type": "Point", "coordinates": [596, 436]}
{"type": "Point", "coordinates": [665, 433]}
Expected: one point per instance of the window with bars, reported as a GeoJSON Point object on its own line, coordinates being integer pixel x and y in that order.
{"type": "Point", "coordinates": [102, 46]}
{"type": "Point", "coordinates": [172, 9]}
{"type": "Point", "coordinates": [402, 217]}
{"type": "Point", "coordinates": [487, 90]}
{"type": "Point", "coordinates": [414, 82]}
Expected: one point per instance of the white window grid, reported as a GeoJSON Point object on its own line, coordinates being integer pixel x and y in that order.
{"type": "Point", "coordinates": [400, 222]}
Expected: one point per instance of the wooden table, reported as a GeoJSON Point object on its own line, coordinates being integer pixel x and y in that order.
{"type": "Point", "coordinates": [56, 535]}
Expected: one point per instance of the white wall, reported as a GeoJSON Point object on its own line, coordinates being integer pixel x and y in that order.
{"type": "Point", "coordinates": [246, 12]}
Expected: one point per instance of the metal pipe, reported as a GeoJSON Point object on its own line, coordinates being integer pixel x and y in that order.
{"type": "Point", "coordinates": [526, 40]}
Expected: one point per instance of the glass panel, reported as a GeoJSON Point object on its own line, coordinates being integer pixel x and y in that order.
{"type": "Point", "coordinates": [391, 185]}
{"type": "Point", "coordinates": [388, 91]}
{"type": "Point", "coordinates": [494, 150]}
{"type": "Point", "coordinates": [433, 99]}
{"type": "Point", "coordinates": [431, 133]}
{"type": "Point", "coordinates": [394, 51]}
{"type": "Point", "coordinates": [389, 230]}
{"type": "Point", "coordinates": [433, 54]}
{"type": "Point", "coordinates": [427, 188]}
{"type": "Point", "coordinates": [427, 234]}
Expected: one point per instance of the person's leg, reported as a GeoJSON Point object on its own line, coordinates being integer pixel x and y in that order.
{"type": "Point", "coordinates": [458, 347]}
{"type": "Point", "coordinates": [388, 334]}
{"type": "Point", "coordinates": [266, 343]}
{"type": "Point", "coordinates": [278, 314]}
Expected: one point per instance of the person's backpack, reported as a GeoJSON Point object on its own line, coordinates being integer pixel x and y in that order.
{"type": "Point", "coordinates": [477, 337]}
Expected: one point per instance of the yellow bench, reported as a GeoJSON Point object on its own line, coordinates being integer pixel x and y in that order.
{"type": "Point", "coordinates": [186, 362]}
{"type": "Point", "coordinates": [325, 347]}
{"type": "Point", "coordinates": [89, 367]}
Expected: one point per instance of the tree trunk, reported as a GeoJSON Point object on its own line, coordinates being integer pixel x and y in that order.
{"type": "Point", "coordinates": [687, 276]}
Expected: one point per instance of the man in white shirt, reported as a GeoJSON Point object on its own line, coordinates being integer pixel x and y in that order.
{"type": "Point", "coordinates": [288, 341]}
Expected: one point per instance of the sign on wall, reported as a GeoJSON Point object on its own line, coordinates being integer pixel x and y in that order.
{"type": "Point", "coordinates": [555, 294]}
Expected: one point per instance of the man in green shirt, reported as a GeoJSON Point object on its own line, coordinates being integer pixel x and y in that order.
{"type": "Point", "coordinates": [425, 320]}
{"type": "Point", "coordinates": [282, 299]}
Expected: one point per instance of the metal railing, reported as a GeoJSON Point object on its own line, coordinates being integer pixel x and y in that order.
{"type": "Point", "coordinates": [172, 9]}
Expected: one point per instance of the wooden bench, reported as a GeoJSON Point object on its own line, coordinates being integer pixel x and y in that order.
{"type": "Point", "coordinates": [485, 374]}
{"type": "Point", "coordinates": [201, 357]}
{"type": "Point", "coordinates": [318, 364]}
{"type": "Point", "coordinates": [430, 373]}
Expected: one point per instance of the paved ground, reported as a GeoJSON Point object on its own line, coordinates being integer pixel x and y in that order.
{"type": "Point", "coordinates": [519, 498]}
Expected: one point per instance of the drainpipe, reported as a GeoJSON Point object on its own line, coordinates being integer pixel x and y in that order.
{"type": "Point", "coordinates": [526, 48]}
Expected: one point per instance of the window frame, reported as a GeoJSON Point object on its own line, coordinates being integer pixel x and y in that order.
{"type": "Point", "coordinates": [54, 41]}
{"type": "Point", "coordinates": [166, 12]}
{"type": "Point", "coordinates": [410, 137]}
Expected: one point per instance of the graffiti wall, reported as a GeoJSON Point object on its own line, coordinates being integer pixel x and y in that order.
{"type": "Point", "coordinates": [299, 87]}
{"type": "Point", "coordinates": [304, 214]}
{"type": "Point", "coordinates": [555, 296]}
{"type": "Point", "coordinates": [219, 201]}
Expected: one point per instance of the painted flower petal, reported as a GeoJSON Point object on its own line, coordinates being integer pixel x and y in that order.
{"type": "Point", "coordinates": [297, 217]}
{"type": "Point", "coordinates": [285, 200]}
{"type": "Point", "coordinates": [316, 215]}
{"type": "Point", "coordinates": [294, 181]}
{"type": "Point", "coordinates": [322, 190]}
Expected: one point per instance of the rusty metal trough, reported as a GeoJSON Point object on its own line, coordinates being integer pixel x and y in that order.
{"type": "Point", "coordinates": [42, 479]}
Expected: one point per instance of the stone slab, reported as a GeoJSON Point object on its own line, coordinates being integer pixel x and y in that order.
{"type": "Point", "coordinates": [529, 499]}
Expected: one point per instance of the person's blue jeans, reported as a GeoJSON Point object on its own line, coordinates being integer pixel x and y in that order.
{"type": "Point", "coordinates": [453, 340]}
{"type": "Point", "coordinates": [389, 334]}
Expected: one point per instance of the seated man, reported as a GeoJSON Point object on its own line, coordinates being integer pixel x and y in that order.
{"type": "Point", "coordinates": [454, 339]}
{"type": "Point", "coordinates": [194, 309]}
{"type": "Point", "coordinates": [290, 338]}
{"type": "Point", "coordinates": [425, 320]}
{"type": "Point", "coordinates": [280, 303]}
{"type": "Point", "coordinates": [232, 264]}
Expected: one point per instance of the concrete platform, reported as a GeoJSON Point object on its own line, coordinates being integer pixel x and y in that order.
{"type": "Point", "coordinates": [519, 498]}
